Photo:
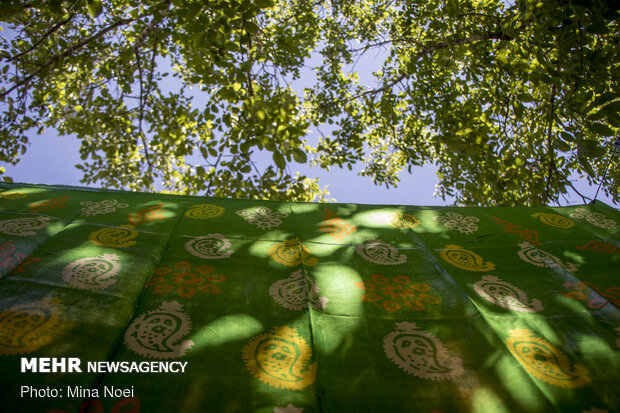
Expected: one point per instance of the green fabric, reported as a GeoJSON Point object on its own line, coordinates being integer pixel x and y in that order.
{"type": "Point", "coordinates": [278, 307]}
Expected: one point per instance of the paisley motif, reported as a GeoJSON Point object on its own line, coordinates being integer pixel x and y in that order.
{"type": "Point", "coordinates": [204, 211]}
{"type": "Point", "coordinates": [262, 217]}
{"type": "Point", "coordinates": [159, 333]}
{"type": "Point", "coordinates": [539, 258]}
{"type": "Point", "coordinates": [594, 218]}
{"type": "Point", "coordinates": [107, 206]}
{"type": "Point", "coordinates": [380, 252]}
{"type": "Point", "coordinates": [26, 327]}
{"type": "Point", "coordinates": [10, 257]}
{"type": "Point", "coordinates": [527, 234]}
{"type": "Point", "coordinates": [297, 292]}
{"type": "Point", "coordinates": [148, 214]}
{"type": "Point", "coordinates": [118, 237]}
{"type": "Point", "coordinates": [210, 246]}
{"type": "Point", "coordinates": [92, 273]}
{"type": "Point", "coordinates": [13, 195]}
{"type": "Point", "coordinates": [292, 253]}
{"type": "Point", "coordinates": [55, 203]}
{"type": "Point", "coordinates": [544, 361]}
{"type": "Point", "coordinates": [420, 353]}
{"type": "Point", "coordinates": [280, 359]}
{"type": "Point", "coordinates": [401, 220]}
{"type": "Point", "coordinates": [554, 220]}
{"type": "Point", "coordinates": [599, 246]}
{"type": "Point", "coordinates": [506, 295]}
{"type": "Point", "coordinates": [335, 226]}
{"type": "Point", "coordinates": [24, 226]}
{"type": "Point", "coordinates": [465, 259]}
{"type": "Point", "coordinates": [458, 222]}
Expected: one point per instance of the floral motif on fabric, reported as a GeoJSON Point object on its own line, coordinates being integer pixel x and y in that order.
{"type": "Point", "coordinates": [457, 222]}
{"type": "Point", "coordinates": [402, 220]}
{"type": "Point", "coordinates": [545, 361]}
{"type": "Point", "coordinates": [292, 253]}
{"type": "Point", "coordinates": [335, 226]}
{"type": "Point", "coordinates": [554, 220]}
{"type": "Point", "coordinates": [13, 195]}
{"type": "Point", "coordinates": [281, 358]}
{"type": "Point", "coordinates": [526, 234]}
{"type": "Point", "coordinates": [24, 226]}
{"type": "Point", "coordinates": [592, 294]}
{"type": "Point", "coordinates": [599, 246]}
{"type": "Point", "coordinates": [210, 246]}
{"type": "Point", "coordinates": [506, 295]}
{"type": "Point", "coordinates": [148, 214]}
{"type": "Point", "coordinates": [298, 292]}
{"type": "Point", "coordinates": [395, 294]}
{"type": "Point", "coordinates": [115, 237]}
{"type": "Point", "coordinates": [26, 262]}
{"type": "Point", "coordinates": [92, 273]}
{"type": "Point", "coordinates": [539, 258]}
{"type": "Point", "coordinates": [262, 217]}
{"type": "Point", "coordinates": [25, 328]}
{"type": "Point", "coordinates": [420, 353]}
{"type": "Point", "coordinates": [380, 252]}
{"type": "Point", "coordinates": [10, 257]}
{"type": "Point", "coordinates": [186, 281]}
{"type": "Point", "coordinates": [204, 211]}
{"type": "Point", "coordinates": [107, 206]}
{"type": "Point", "coordinates": [465, 259]}
{"type": "Point", "coordinates": [595, 218]}
{"type": "Point", "coordinates": [55, 203]}
{"type": "Point", "coordinates": [159, 333]}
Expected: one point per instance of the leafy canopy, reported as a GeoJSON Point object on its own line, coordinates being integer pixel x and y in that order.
{"type": "Point", "coordinates": [511, 102]}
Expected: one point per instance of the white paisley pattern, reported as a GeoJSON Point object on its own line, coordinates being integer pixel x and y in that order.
{"type": "Point", "coordinates": [297, 292]}
{"type": "Point", "coordinates": [210, 246]}
{"type": "Point", "coordinates": [594, 218]}
{"type": "Point", "coordinates": [420, 353]}
{"type": "Point", "coordinates": [107, 206]}
{"type": "Point", "coordinates": [262, 217]}
{"type": "Point", "coordinates": [539, 258]}
{"type": "Point", "coordinates": [24, 226]}
{"type": "Point", "coordinates": [92, 273]}
{"type": "Point", "coordinates": [506, 295]}
{"type": "Point", "coordinates": [159, 332]}
{"type": "Point", "coordinates": [458, 222]}
{"type": "Point", "coordinates": [380, 252]}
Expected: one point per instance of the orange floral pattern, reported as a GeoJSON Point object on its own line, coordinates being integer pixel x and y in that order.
{"type": "Point", "coordinates": [185, 281]}
{"type": "Point", "coordinates": [579, 291]}
{"type": "Point", "coordinates": [400, 292]}
{"type": "Point", "coordinates": [55, 203]}
{"type": "Point", "coordinates": [527, 234]}
{"type": "Point", "coordinates": [335, 226]}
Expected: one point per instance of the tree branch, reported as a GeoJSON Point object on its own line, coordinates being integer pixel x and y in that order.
{"type": "Point", "coordinates": [42, 39]}
{"type": "Point", "coordinates": [550, 154]}
{"type": "Point", "coordinates": [431, 49]}
{"type": "Point", "coordinates": [66, 53]}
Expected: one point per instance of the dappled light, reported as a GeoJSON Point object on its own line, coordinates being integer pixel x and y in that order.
{"type": "Point", "coordinates": [319, 307]}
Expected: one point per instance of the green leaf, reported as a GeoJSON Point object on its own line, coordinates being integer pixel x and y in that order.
{"type": "Point", "coordinates": [251, 27]}
{"type": "Point", "coordinates": [600, 129]}
{"type": "Point", "coordinates": [263, 4]}
{"type": "Point", "coordinates": [299, 155]}
{"type": "Point", "coordinates": [95, 7]}
{"type": "Point", "coordinates": [279, 160]}
{"type": "Point", "coordinates": [246, 168]}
